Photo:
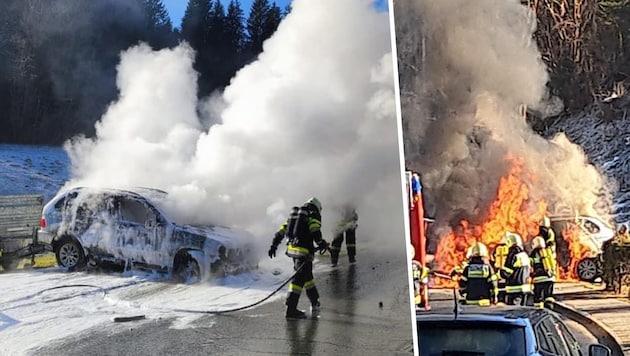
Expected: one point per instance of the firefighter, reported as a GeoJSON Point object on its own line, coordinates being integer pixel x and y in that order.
{"type": "Point", "coordinates": [302, 228]}
{"type": "Point", "coordinates": [516, 270]}
{"type": "Point", "coordinates": [347, 227]}
{"type": "Point", "coordinates": [543, 272]}
{"type": "Point", "coordinates": [499, 255]}
{"type": "Point", "coordinates": [622, 237]}
{"type": "Point", "coordinates": [546, 232]}
{"type": "Point", "coordinates": [420, 283]}
{"type": "Point", "coordinates": [478, 283]}
{"type": "Point", "coordinates": [612, 257]}
{"type": "Point", "coordinates": [458, 270]}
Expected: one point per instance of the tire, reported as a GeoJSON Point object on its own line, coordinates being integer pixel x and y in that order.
{"type": "Point", "coordinates": [70, 254]}
{"type": "Point", "coordinates": [587, 269]}
{"type": "Point", "coordinates": [187, 270]}
{"type": "Point", "coordinates": [9, 264]}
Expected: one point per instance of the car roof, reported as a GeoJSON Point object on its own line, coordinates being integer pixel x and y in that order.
{"type": "Point", "coordinates": [510, 315]}
{"type": "Point", "coordinates": [150, 193]}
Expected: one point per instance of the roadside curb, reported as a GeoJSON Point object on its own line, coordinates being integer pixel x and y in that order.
{"type": "Point", "coordinates": [605, 337]}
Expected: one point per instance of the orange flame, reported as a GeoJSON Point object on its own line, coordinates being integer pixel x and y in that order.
{"type": "Point", "coordinates": [576, 252]}
{"type": "Point", "coordinates": [511, 210]}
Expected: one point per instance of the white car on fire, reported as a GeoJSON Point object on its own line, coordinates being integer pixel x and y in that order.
{"type": "Point", "coordinates": [129, 227]}
{"type": "Point", "coordinates": [592, 234]}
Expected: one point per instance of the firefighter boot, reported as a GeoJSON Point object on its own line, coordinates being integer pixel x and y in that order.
{"type": "Point", "coordinates": [351, 256]}
{"type": "Point", "coordinates": [292, 311]}
{"type": "Point", "coordinates": [334, 256]}
{"type": "Point", "coordinates": [313, 296]}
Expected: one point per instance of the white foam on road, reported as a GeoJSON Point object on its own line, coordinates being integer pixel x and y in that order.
{"type": "Point", "coordinates": [32, 317]}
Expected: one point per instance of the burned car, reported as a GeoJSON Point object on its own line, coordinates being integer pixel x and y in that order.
{"type": "Point", "coordinates": [94, 226]}
{"type": "Point", "coordinates": [592, 234]}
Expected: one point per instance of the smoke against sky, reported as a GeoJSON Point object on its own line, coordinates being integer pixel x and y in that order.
{"type": "Point", "coordinates": [481, 63]}
{"type": "Point", "coordinates": [314, 115]}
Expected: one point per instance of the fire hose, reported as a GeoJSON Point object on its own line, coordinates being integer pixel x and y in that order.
{"type": "Point", "coordinates": [225, 311]}
{"type": "Point", "coordinates": [450, 278]}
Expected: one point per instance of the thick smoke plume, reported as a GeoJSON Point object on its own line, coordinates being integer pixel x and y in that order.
{"type": "Point", "coordinates": [469, 68]}
{"type": "Point", "coordinates": [313, 116]}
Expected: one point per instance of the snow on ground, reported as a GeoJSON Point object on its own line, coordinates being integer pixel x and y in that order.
{"type": "Point", "coordinates": [32, 170]}
{"type": "Point", "coordinates": [31, 316]}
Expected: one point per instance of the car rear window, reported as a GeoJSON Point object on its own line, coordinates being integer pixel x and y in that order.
{"type": "Point", "coordinates": [471, 339]}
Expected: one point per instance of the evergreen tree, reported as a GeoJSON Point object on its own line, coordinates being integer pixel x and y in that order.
{"type": "Point", "coordinates": [272, 20]}
{"type": "Point", "coordinates": [287, 10]}
{"type": "Point", "coordinates": [215, 35]}
{"type": "Point", "coordinates": [158, 24]}
{"type": "Point", "coordinates": [256, 25]}
{"type": "Point", "coordinates": [196, 22]}
{"type": "Point", "coordinates": [234, 28]}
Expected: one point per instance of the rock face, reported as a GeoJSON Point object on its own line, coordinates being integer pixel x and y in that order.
{"type": "Point", "coordinates": [607, 145]}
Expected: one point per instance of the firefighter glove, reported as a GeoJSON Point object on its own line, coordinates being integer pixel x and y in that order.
{"type": "Point", "coordinates": [272, 251]}
{"type": "Point", "coordinates": [322, 246]}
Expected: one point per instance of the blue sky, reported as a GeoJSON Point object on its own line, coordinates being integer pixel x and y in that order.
{"type": "Point", "coordinates": [176, 8]}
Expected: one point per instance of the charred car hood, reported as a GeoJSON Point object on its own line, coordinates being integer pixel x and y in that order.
{"type": "Point", "coordinates": [222, 234]}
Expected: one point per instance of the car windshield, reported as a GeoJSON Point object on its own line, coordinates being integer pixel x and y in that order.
{"type": "Point", "coordinates": [471, 339]}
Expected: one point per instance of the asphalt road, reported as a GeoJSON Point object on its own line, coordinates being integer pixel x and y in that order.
{"type": "Point", "coordinates": [365, 311]}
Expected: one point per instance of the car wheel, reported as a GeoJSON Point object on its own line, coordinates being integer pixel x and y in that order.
{"type": "Point", "coordinates": [9, 265]}
{"type": "Point", "coordinates": [70, 254]}
{"type": "Point", "coordinates": [187, 270]}
{"type": "Point", "coordinates": [587, 269]}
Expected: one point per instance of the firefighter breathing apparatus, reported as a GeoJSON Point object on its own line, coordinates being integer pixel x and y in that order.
{"type": "Point", "coordinates": [178, 310]}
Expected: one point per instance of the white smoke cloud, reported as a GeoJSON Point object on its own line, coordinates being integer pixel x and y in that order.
{"type": "Point", "coordinates": [313, 116]}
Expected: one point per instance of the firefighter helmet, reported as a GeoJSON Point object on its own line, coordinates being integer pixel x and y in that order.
{"type": "Point", "coordinates": [477, 249]}
{"type": "Point", "coordinates": [545, 222]}
{"type": "Point", "coordinates": [538, 242]}
{"type": "Point", "coordinates": [512, 239]}
{"type": "Point", "coordinates": [316, 203]}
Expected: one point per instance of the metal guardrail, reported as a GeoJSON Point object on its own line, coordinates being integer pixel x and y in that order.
{"type": "Point", "coordinates": [19, 220]}
{"type": "Point", "coordinates": [603, 336]}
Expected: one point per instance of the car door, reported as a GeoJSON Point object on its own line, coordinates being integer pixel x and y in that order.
{"type": "Point", "coordinates": [137, 231]}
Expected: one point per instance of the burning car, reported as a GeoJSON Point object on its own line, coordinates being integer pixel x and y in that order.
{"type": "Point", "coordinates": [579, 244]}
{"type": "Point", "coordinates": [130, 227]}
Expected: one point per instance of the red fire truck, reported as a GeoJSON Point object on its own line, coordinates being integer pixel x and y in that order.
{"type": "Point", "coordinates": [418, 226]}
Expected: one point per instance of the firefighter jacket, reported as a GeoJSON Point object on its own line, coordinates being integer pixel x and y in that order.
{"type": "Point", "coordinates": [478, 282]}
{"type": "Point", "coordinates": [420, 273]}
{"type": "Point", "coordinates": [543, 268]}
{"type": "Point", "coordinates": [550, 238]}
{"type": "Point", "coordinates": [347, 222]}
{"type": "Point", "coordinates": [516, 271]}
{"type": "Point", "coordinates": [301, 229]}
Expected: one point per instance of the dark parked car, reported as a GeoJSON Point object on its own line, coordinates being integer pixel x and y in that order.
{"type": "Point", "coordinates": [130, 227]}
{"type": "Point", "coordinates": [498, 331]}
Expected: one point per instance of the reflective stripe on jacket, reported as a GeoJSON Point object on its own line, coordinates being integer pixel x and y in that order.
{"type": "Point", "coordinates": [516, 271]}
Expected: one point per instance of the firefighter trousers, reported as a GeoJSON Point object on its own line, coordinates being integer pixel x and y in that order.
{"type": "Point", "coordinates": [335, 245]}
{"type": "Point", "coordinates": [303, 279]}
{"type": "Point", "coordinates": [543, 292]}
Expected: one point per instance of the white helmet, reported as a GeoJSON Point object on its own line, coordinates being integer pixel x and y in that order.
{"type": "Point", "coordinates": [545, 222]}
{"type": "Point", "coordinates": [538, 242]}
{"type": "Point", "coordinates": [315, 202]}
